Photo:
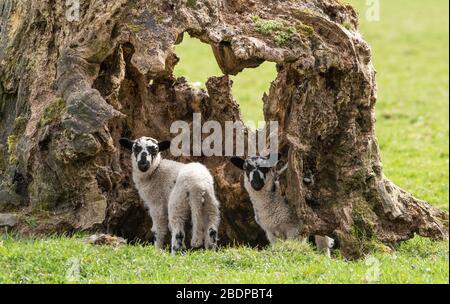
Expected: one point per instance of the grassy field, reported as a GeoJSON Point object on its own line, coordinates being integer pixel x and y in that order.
{"type": "Point", "coordinates": [69, 260]}
{"type": "Point", "coordinates": [410, 49]}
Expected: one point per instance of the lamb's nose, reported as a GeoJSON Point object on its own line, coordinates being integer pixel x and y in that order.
{"type": "Point", "coordinates": [143, 165]}
{"type": "Point", "coordinates": [257, 182]}
{"type": "Point", "coordinates": [257, 185]}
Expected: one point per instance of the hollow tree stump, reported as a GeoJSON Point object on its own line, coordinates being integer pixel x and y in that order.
{"type": "Point", "coordinates": [70, 89]}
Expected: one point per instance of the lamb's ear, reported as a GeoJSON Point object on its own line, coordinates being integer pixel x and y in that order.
{"type": "Point", "coordinates": [281, 167]}
{"type": "Point", "coordinates": [164, 145]}
{"type": "Point", "coordinates": [238, 162]}
{"type": "Point", "coordinates": [126, 143]}
{"type": "Point", "coordinates": [274, 159]}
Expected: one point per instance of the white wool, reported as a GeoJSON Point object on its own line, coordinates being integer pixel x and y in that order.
{"type": "Point", "coordinates": [173, 191]}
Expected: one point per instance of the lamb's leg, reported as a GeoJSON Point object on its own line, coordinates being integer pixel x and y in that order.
{"type": "Point", "coordinates": [178, 240]}
{"type": "Point", "coordinates": [161, 234]}
{"type": "Point", "coordinates": [178, 235]}
{"type": "Point", "coordinates": [160, 228]}
{"type": "Point", "coordinates": [293, 233]}
{"type": "Point", "coordinates": [271, 237]}
{"type": "Point", "coordinates": [178, 215]}
{"type": "Point", "coordinates": [211, 237]}
{"type": "Point", "coordinates": [197, 201]}
{"type": "Point", "coordinates": [324, 244]}
{"type": "Point", "coordinates": [213, 221]}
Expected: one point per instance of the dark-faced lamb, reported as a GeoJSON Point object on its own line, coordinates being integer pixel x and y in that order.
{"type": "Point", "coordinates": [271, 209]}
{"type": "Point", "coordinates": [173, 191]}
{"type": "Point", "coordinates": [272, 212]}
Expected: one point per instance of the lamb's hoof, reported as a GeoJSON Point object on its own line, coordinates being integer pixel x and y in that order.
{"type": "Point", "coordinates": [177, 250]}
{"type": "Point", "coordinates": [159, 248]}
{"type": "Point", "coordinates": [212, 234]}
{"type": "Point", "coordinates": [196, 244]}
{"type": "Point", "coordinates": [212, 247]}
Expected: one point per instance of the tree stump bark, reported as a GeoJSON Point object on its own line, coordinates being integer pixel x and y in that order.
{"type": "Point", "coordinates": [70, 89]}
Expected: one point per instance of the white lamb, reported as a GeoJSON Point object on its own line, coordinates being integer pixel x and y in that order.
{"type": "Point", "coordinates": [173, 191]}
{"type": "Point", "coordinates": [272, 212]}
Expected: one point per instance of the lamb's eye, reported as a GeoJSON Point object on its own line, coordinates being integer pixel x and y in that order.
{"type": "Point", "coordinates": [249, 167]}
{"type": "Point", "coordinates": [264, 170]}
{"type": "Point", "coordinates": [137, 149]}
{"type": "Point", "coordinates": [152, 150]}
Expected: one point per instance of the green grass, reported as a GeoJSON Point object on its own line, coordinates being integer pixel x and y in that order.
{"type": "Point", "coordinates": [410, 49]}
{"type": "Point", "coordinates": [70, 260]}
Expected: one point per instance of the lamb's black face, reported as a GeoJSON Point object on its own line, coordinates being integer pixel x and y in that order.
{"type": "Point", "coordinates": [258, 170]}
{"type": "Point", "coordinates": [145, 151]}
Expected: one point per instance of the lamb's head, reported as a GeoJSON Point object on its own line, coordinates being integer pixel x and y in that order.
{"type": "Point", "coordinates": [145, 152]}
{"type": "Point", "coordinates": [260, 171]}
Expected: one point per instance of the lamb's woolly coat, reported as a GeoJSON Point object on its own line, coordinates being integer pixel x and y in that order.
{"type": "Point", "coordinates": [194, 192]}
{"type": "Point", "coordinates": [173, 191]}
{"type": "Point", "coordinates": [154, 188]}
{"type": "Point", "coordinates": [272, 211]}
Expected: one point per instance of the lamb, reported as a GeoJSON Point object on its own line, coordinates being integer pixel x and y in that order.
{"type": "Point", "coordinates": [323, 244]}
{"type": "Point", "coordinates": [172, 191]}
{"type": "Point", "coordinates": [272, 212]}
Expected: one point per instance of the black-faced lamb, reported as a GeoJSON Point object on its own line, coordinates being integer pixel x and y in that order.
{"type": "Point", "coordinates": [271, 209]}
{"type": "Point", "coordinates": [272, 212]}
{"type": "Point", "coordinates": [173, 191]}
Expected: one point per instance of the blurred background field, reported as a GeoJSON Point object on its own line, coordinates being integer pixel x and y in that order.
{"type": "Point", "coordinates": [410, 53]}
